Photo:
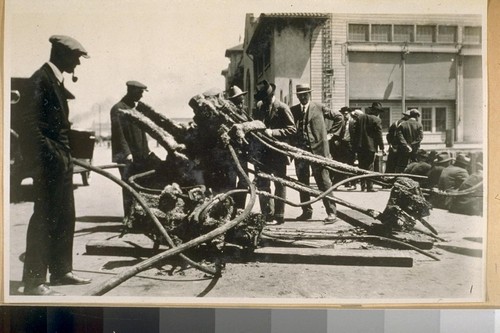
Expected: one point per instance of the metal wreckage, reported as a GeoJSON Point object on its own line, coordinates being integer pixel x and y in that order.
{"type": "Point", "coordinates": [176, 204]}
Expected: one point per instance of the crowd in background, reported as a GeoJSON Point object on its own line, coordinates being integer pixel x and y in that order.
{"type": "Point", "coordinates": [354, 137]}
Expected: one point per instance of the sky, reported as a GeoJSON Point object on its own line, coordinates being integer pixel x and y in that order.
{"type": "Point", "coordinates": [174, 47]}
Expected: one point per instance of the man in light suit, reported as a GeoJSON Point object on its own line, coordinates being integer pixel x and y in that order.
{"type": "Point", "coordinates": [44, 141]}
{"type": "Point", "coordinates": [312, 136]}
{"type": "Point", "coordinates": [279, 125]}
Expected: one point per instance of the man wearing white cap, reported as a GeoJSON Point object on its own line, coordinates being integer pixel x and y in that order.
{"type": "Point", "coordinates": [44, 140]}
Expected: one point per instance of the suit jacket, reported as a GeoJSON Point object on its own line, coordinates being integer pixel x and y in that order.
{"type": "Point", "coordinates": [409, 132]}
{"type": "Point", "coordinates": [316, 127]}
{"type": "Point", "coordinates": [126, 137]}
{"type": "Point", "coordinates": [471, 204]}
{"type": "Point", "coordinates": [452, 178]}
{"type": "Point", "coordinates": [279, 119]}
{"type": "Point", "coordinates": [391, 134]}
{"type": "Point", "coordinates": [44, 132]}
{"type": "Point", "coordinates": [367, 134]}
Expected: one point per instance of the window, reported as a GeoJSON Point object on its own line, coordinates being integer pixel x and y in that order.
{"type": "Point", "coordinates": [426, 119]}
{"type": "Point", "coordinates": [433, 118]}
{"type": "Point", "coordinates": [472, 35]}
{"type": "Point", "coordinates": [381, 33]}
{"type": "Point", "coordinates": [403, 33]}
{"type": "Point", "coordinates": [440, 119]}
{"type": "Point", "coordinates": [425, 33]}
{"type": "Point", "coordinates": [447, 34]}
{"type": "Point", "coordinates": [358, 32]}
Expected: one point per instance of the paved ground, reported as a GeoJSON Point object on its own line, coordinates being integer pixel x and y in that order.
{"type": "Point", "coordinates": [458, 276]}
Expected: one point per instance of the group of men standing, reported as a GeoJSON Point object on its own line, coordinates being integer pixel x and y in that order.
{"type": "Point", "coordinates": [304, 126]}
{"type": "Point", "coordinates": [340, 135]}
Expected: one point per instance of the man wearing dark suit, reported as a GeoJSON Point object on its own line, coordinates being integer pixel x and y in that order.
{"type": "Point", "coordinates": [368, 139]}
{"type": "Point", "coordinates": [312, 136]}
{"type": "Point", "coordinates": [44, 139]}
{"type": "Point", "coordinates": [336, 131]}
{"type": "Point", "coordinates": [393, 155]}
{"type": "Point", "coordinates": [409, 134]}
{"type": "Point", "coordinates": [279, 124]}
{"type": "Point", "coordinates": [129, 143]}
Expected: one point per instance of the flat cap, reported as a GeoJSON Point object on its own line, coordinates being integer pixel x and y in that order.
{"type": "Point", "coordinates": [136, 84]}
{"type": "Point", "coordinates": [70, 43]}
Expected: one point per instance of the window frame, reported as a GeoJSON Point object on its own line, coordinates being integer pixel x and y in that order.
{"type": "Point", "coordinates": [433, 116]}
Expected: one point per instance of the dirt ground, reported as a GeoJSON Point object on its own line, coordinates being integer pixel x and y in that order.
{"type": "Point", "coordinates": [457, 277]}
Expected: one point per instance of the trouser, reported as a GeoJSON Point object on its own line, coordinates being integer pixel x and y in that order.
{"type": "Point", "coordinates": [49, 239]}
{"type": "Point", "coordinates": [366, 160]}
{"type": "Point", "coordinates": [342, 153]}
{"type": "Point", "coordinates": [402, 159]}
{"type": "Point", "coordinates": [390, 164]}
{"type": "Point", "coordinates": [272, 208]}
{"type": "Point", "coordinates": [240, 198]}
{"type": "Point", "coordinates": [322, 178]}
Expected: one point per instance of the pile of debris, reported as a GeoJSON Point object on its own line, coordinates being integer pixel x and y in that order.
{"type": "Point", "coordinates": [187, 199]}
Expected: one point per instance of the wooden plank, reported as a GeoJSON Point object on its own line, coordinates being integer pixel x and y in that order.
{"type": "Point", "coordinates": [120, 247]}
{"type": "Point", "coordinates": [347, 257]}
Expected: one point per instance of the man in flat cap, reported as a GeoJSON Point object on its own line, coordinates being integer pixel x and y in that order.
{"type": "Point", "coordinates": [312, 136]}
{"type": "Point", "coordinates": [279, 125]}
{"type": "Point", "coordinates": [44, 141]}
{"type": "Point", "coordinates": [129, 143]}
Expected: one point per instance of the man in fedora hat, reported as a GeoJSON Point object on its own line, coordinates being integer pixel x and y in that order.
{"type": "Point", "coordinates": [237, 96]}
{"type": "Point", "coordinates": [394, 155]}
{"type": "Point", "coordinates": [409, 134]}
{"type": "Point", "coordinates": [129, 143]}
{"type": "Point", "coordinates": [470, 204]}
{"type": "Point", "coordinates": [367, 140]}
{"type": "Point", "coordinates": [44, 140]}
{"type": "Point", "coordinates": [279, 125]}
{"type": "Point", "coordinates": [312, 136]}
{"type": "Point", "coordinates": [420, 167]}
{"type": "Point", "coordinates": [453, 176]}
{"type": "Point", "coordinates": [441, 161]}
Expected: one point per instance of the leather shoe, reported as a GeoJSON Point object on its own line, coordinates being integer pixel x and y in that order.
{"type": "Point", "coordinates": [68, 278]}
{"type": "Point", "coordinates": [41, 290]}
{"type": "Point", "coordinates": [372, 190]}
{"type": "Point", "coordinates": [304, 216]}
{"type": "Point", "coordinates": [275, 222]}
{"type": "Point", "coordinates": [331, 218]}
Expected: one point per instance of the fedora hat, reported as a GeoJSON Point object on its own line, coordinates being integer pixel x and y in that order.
{"type": "Point", "coordinates": [462, 160]}
{"type": "Point", "coordinates": [264, 89]}
{"type": "Point", "coordinates": [407, 113]}
{"type": "Point", "coordinates": [442, 157]}
{"type": "Point", "coordinates": [302, 89]}
{"type": "Point", "coordinates": [422, 153]}
{"type": "Point", "coordinates": [345, 109]}
{"type": "Point", "coordinates": [234, 92]}
{"type": "Point", "coordinates": [376, 106]}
